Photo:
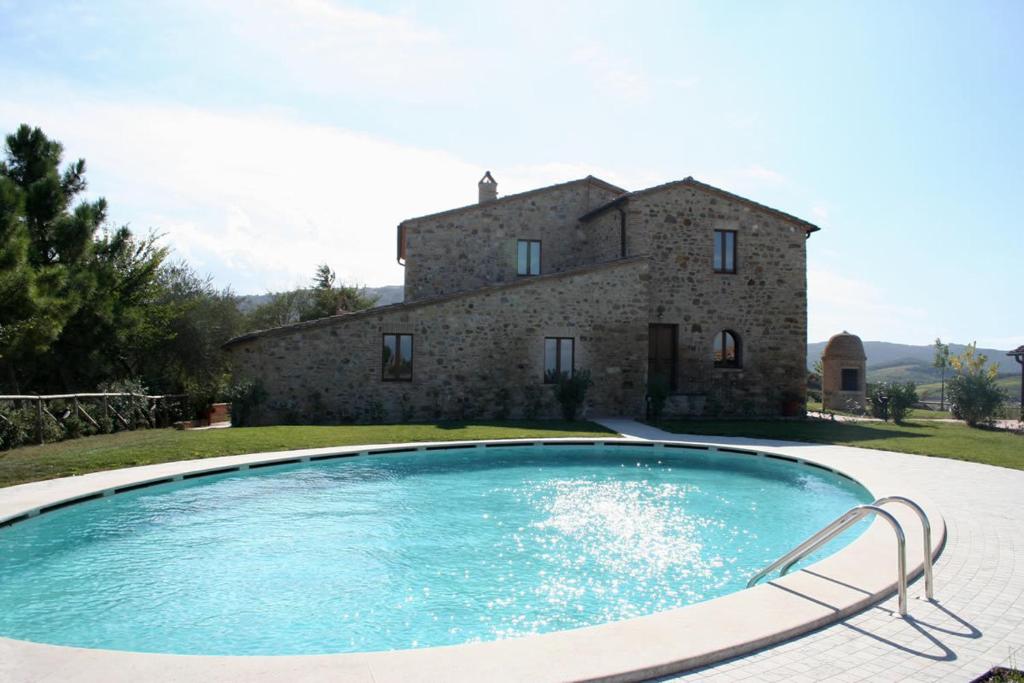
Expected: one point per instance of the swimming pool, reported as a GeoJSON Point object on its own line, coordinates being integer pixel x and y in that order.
{"type": "Point", "coordinates": [406, 550]}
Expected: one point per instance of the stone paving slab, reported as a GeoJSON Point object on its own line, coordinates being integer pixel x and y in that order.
{"type": "Point", "coordinates": [977, 620]}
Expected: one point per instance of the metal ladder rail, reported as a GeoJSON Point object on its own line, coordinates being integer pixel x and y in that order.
{"type": "Point", "coordinates": [926, 530]}
{"type": "Point", "coordinates": [842, 523]}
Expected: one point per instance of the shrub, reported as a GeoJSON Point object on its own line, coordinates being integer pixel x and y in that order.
{"type": "Point", "coordinates": [892, 399]}
{"type": "Point", "coordinates": [374, 411]}
{"type": "Point", "coordinates": [247, 399]}
{"type": "Point", "coordinates": [16, 428]}
{"type": "Point", "coordinates": [571, 391]}
{"type": "Point", "coordinates": [132, 408]}
{"type": "Point", "coordinates": [533, 402]}
{"type": "Point", "coordinates": [502, 403]}
{"type": "Point", "coordinates": [204, 393]}
{"type": "Point", "coordinates": [406, 408]}
{"type": "Point", "coordinates": [658, 389]}
{"type": "Point", "coordinates": [973, 394]}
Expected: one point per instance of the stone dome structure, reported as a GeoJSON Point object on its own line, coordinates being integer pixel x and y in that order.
{"type": "Point", "coordinates": [844, 346]}
{"type": "Point", "coordinates": [844, 374]}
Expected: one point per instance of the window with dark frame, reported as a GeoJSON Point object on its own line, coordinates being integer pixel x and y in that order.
{"type": "Point", "coordinates": [559, 358]}
{"type": "Point", "coordinates": [725, 251]}
{"type": "Point", "coordinates": [727, 350]}
{"type": "Point", "coordinates": [528, 257]}
{"type": "Point", "coordinates": [396, 358]}
{"type": "Point", "coordinates": [850, 379]}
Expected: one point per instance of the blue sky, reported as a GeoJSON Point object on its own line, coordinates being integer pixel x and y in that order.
{"type": "Point", "coordinates": [262, 138]}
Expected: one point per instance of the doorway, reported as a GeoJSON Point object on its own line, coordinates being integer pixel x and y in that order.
{"type": "Point", "coordinates": [662, 352]}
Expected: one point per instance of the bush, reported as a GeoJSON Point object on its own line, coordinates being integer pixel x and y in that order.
{"type": "Point", "coordinates": [374, 411]}
{"type": "Point", "coordinates": [204, 393]}
{"type": "Point", "coordinates": [533, 402]}
{"type": "Point", "coordinates": [247, 399]}
{"type": "Point", "coordinates": [502, 403]}
{"type": "Point", "coordinates": [658, 389]}
{"type": "Point", "coordinates": [973, 393]}
{"type": "Point", "coordinates": [892, 399]}
{"type": "Point", "coordinates": [132, 408]}
{"type": "Point", "coordinates": [570, 392]}
{"type": "Point", "coordinates": [16, 428]}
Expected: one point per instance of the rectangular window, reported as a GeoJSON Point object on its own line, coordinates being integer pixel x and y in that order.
{"type": "Point", "coordinates": [396, 359]}
{"type": "Point", "coordinates": [528, 257]}
{"type": "Point", "coordinates": [850, 379]}
{"type": "Point", "coordinates": [559, 355]}
{"type": "Point", "coordinates": [725, 251]}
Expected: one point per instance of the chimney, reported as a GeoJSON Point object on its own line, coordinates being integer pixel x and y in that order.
{"type": "Point", "coordinates": [488, 188]}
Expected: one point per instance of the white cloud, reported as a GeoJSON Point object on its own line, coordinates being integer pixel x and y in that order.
{"type": "Point", "coordinates": [612, 75]}
{"type": "Point", "coordinates": [259, 199]}
{"type": "Point", "coordinates": [837, 302]}
{"type": "Point", "coordinates": [764, 175]}
{"type": "Point", "coordinates": [324, 47]}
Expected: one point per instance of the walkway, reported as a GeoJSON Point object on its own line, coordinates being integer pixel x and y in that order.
{"type": "Point", "coordinates": [978, 619]}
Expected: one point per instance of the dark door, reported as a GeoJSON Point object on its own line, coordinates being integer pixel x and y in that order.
{"type": "Point", "coordinates": [661, 353]}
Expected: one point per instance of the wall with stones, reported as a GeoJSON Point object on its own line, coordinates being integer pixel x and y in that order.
{"type": "Point", "coordinates": [467, 348]}
{"type": "Point", "coordinates": [466, 248]}
{"type": "Point", "coordinates": [764, 302]}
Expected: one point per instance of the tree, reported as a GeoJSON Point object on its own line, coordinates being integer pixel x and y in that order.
{"type": "Point", "coordinates": [941, 361]}
{"type": "Point", "coordinates": [325, 299]}
{"type": "Point", "coordinates": [973, 393]}
{"type": "Point", "coordinates": [47, 234]}
{"type": "Point", "coordinates": [284, 308]}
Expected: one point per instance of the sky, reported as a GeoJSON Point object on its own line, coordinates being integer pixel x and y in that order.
{"type": "Point", "coordinates": [261, 139]}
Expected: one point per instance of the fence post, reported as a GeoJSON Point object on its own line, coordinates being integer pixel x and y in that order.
{"type": "Point", "coordinates": [39, 419]}
{"type": "Point", "coordinates": [106, 412]}
{"type": "Point", "coordinates": [78, 409]}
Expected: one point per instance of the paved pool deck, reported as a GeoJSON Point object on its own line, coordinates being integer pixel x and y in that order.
{"type": "Point", "coordinates": [977, 620]}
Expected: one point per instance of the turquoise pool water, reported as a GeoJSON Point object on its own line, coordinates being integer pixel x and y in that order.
{"type": "Point", "coordinates": [407, 550]}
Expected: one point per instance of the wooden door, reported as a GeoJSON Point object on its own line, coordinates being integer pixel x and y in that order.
{"type": "Point", "coordinates": [662, 352]}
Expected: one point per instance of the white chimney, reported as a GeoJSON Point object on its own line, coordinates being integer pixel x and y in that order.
{"type": "Point", "coordinates": [488, 188]}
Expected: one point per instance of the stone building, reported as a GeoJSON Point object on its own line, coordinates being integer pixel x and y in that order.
{"type": "Point", "coordinates": [844, 373]}
{"type": "Point", "coordinates": [682, 281]}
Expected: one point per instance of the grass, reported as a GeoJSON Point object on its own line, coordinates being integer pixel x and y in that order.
{"type": "Point", "coordinates": [921, 437]}
{"type": "Point", "coordinates": [914, 414]}
{"type": "Point", "coordinates": [147, 447]}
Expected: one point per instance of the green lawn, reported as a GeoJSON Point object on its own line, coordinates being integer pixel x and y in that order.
{"type": "Point", "coordinates": [147, 447]}
{"type": "Point", "coordinates": [923, 437]}
{"type": "Point", "coordinates": [914, 414]}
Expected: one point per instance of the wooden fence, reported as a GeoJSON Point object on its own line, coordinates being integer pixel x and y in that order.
{"type": "Point", "coordinates": [127, 409]}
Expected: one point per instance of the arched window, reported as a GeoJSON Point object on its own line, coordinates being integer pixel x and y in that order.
{"type": "Point", "coordinates": [727, 350]}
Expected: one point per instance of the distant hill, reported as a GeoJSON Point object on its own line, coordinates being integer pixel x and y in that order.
{"type": "Point", "coordinates": [389, 294]}
{"type": "Point", "coordinates": [888, 362]}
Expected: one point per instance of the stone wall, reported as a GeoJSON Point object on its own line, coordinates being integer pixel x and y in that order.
{"type": "Point", "coordinates": [467, 348]}
{"type": "Point", "coordinates": [764, 302]}
{"type": "Point", "coordinates": [466, 248]}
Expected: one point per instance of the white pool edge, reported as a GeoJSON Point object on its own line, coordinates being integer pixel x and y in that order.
{"type": "Point", "coordinates": [859, 575]}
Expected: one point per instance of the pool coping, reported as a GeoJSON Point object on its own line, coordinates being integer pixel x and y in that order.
{"type": "Point", "coordinates": [859, 575]}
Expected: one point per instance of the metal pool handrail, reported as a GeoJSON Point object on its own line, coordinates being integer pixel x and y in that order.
{"type": "Point", "coordinates": [843, 522]}
{"type": "Point", "coordinates": [926, 530]}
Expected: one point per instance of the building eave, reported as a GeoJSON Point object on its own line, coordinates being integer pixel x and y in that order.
{"type": "Point", "coordinates": [392, 308]}
{"type": "Point", "coordinates": [592, 180]}
{"type": "Point", "coordinates": [689, 181]}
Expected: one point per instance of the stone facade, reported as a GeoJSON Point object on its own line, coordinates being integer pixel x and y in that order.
{"type": "Point", "coordinates": [763, 303]}
{"type": "Point", "coordinates": [474, 246]}
{"type": "Point", "coordinates": [613, 263]}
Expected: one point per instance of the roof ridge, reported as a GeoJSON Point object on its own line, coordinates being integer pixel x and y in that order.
{"type": "Point", "coordinates": [485, 289]}
{"type": "Point", "coordinates": [518, 195]}
{"type": "Point", "coordinates": [690, 181]}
